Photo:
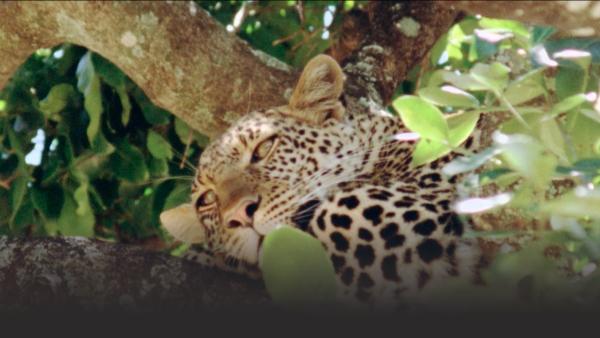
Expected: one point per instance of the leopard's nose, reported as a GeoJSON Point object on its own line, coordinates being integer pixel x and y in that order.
{"type": "Point", "coordinates": [242, 215]}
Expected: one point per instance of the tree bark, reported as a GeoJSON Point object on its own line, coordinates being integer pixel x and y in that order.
{"type": "Point", "coordinates": [175, 52]}
{"type": "Point", "coordinates": [80, 273]}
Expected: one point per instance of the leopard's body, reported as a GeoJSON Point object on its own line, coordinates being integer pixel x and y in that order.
{"type": "Point", "coordinates": [344, 178]}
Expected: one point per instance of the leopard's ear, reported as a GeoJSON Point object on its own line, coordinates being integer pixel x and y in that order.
{"type": "Point", "coordinates": [317, 94]}
{"type": "Point", "coordinates": [182, 223]}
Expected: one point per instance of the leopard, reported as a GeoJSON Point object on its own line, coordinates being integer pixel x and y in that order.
{"type": "Point", "coordinates": [343, 175]}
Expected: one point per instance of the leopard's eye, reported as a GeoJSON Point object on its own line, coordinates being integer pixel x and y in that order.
{"type": "Point", "coordinates": [206, 199]}
{"type": "Point", "coordinates": [262, 150]}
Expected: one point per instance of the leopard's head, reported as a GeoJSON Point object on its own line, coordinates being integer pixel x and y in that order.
{"type": "Point", "coordinates": [268, 168]}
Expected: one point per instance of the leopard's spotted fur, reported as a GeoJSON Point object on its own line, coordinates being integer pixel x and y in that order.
{"type": "Point", "coordinates": [344, 178]}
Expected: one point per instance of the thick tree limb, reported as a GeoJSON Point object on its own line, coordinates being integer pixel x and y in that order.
{"type": "Point", "coordinates": [87, 274]}
{"type": "Point", "coordinates": [183, 59]}
{"type": "Point", "coordinates": [572, 18]}
{"type": "Point", "coordinates": [400, 35]}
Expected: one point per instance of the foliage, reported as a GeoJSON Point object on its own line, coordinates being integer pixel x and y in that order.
{"type": "Point", "coordinates": [549, 88]}
{"type": "Point", "coordinates": [290, 255]}
{"type": "Point", "coordinates": [83, 151]}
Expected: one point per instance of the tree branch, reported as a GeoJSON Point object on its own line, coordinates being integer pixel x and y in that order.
{"type": "Point", "coordinates": [184, 60]}
{"type": "Point", "coordinates": [89, 274]}
{"type": "Point", "coordinates": [572, 18]}
{"type": "Point", "coordinates": [400, 35]}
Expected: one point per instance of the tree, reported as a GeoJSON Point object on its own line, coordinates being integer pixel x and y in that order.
{"type": "Point", "coordinates": [174, 55]}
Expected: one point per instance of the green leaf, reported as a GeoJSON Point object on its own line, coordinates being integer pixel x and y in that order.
{"type": "Point", "coordinates": [48, 200]}
{"type": "Point", "coordinates": [179, 195]}
{"type": "Point", "coordinates": [579, 203]}
{"type": "Point", "coordinates": [82, 198]}
{"type": "Point", "coordinates": [477, 204]}
{"type": "Point", "coordinates": [88, 83]}
{"type": "Point", "coordinates": [18, 188]}
{"type": "Point", "coordinates": [590, 45]}
{"type": "Point", "coordinates": [101, 146]}
{"type": "Point", "coordinates": [70, 223]}
{"type": "Point", "coordinates": [128, 163]}
{"type": "Point", "coordinates": [158, 146]}
{"type": "Point", "coordinates": [448, 96]}
{"type": "Point", "coordinates": [463, 81]}
{"type": "Point", "coordinates": [428, 150]}
{"type": "Point", "coordinates": [509, 25]}
{"type": "Point", "coordinates": [461, 126]}
{"type": "Point", "coordinates": [158, 167]}
{"type": "Point", "coordinates": [125, 104]}
{"type": "Point", "coordinates": [153, 114]}
{"type": "Point", "coordinates": [182, 130]}
{"type": "Point", "coordinates": [568, 103]}
{"type": "Point", "coordinates": [465, 164]}
{"type": "Point", "coordinates": [109, 73]}
{"type": "Point", "coordinates": [583, 131]}
{"type": "Point", "coordinates": [296, 268]}
{"type": "Point", "coordinates": [552, 138]}
{"type": "Point", "coordinates": [493, 76]}
{"type": "Point", "coordinates": [526, 87]}
{"type": "Point", "coordinates": [525, 155]}
{"type": "Point", "coordinates": [422, 117]}
{"type": "Point", "coordinates": [570, 79]}
{"type": "Point", "coordinates": [57, 99]}
{"type": "Point", "coordinates": [540, 34]}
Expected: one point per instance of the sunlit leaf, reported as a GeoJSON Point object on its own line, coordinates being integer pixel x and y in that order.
{"type": "Point", "coordinates": [509, 25]}
{"type": "Point", "coordinates": [158, 146]}
{"type": "Point", "coordinates": [83, 201]}
{"type": "Point", "coordinates": [552, 138]}
{"type": "Point", "coordinates": [590, 45]}
{"type": "Point", "coordinates": [428, 150]}
{"type": "Point", "coordinates": [422, 117]}
{"type": "Point", "coordinates": [88, 83]}
{"type": "Point", "coordinates": [57, 99]}
{"type": "Point", "coordinates": [296, 268]}
{"type": "Point", "coordinates": [525, 88]}
{"type": "Point", "coordinates": [127, 163]}
{"type": "Point", "coordinates": [478, 205]}
{"type": "Point", "coordinates": [461, 125]}
{"type": "Point", "coordinates": [448, 96]}
{"type": "Point", "coordinates": [493, 76]}
{"type": "Point", "coordinates": [464, 164]}
{"type": "Point", "coordinates": [463, 81]}
{"type": "Point", "coordinates": [568, 103]}
{"type": "Point", "coordinates": [69, 223]}
{"type": "Point", "coordinates": [525, 155]}
{"type": "Point", "coordinates": [125, 104]}
{"type": "Point", "coordinates": [579, 203]}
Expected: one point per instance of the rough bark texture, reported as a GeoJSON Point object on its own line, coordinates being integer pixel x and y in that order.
{"type": "Point", "coordinates": [400, 35]}
{"type": "Point", "coordinates": [92, 275]}
{"type": "Point", "coordinates": [184, 60]}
